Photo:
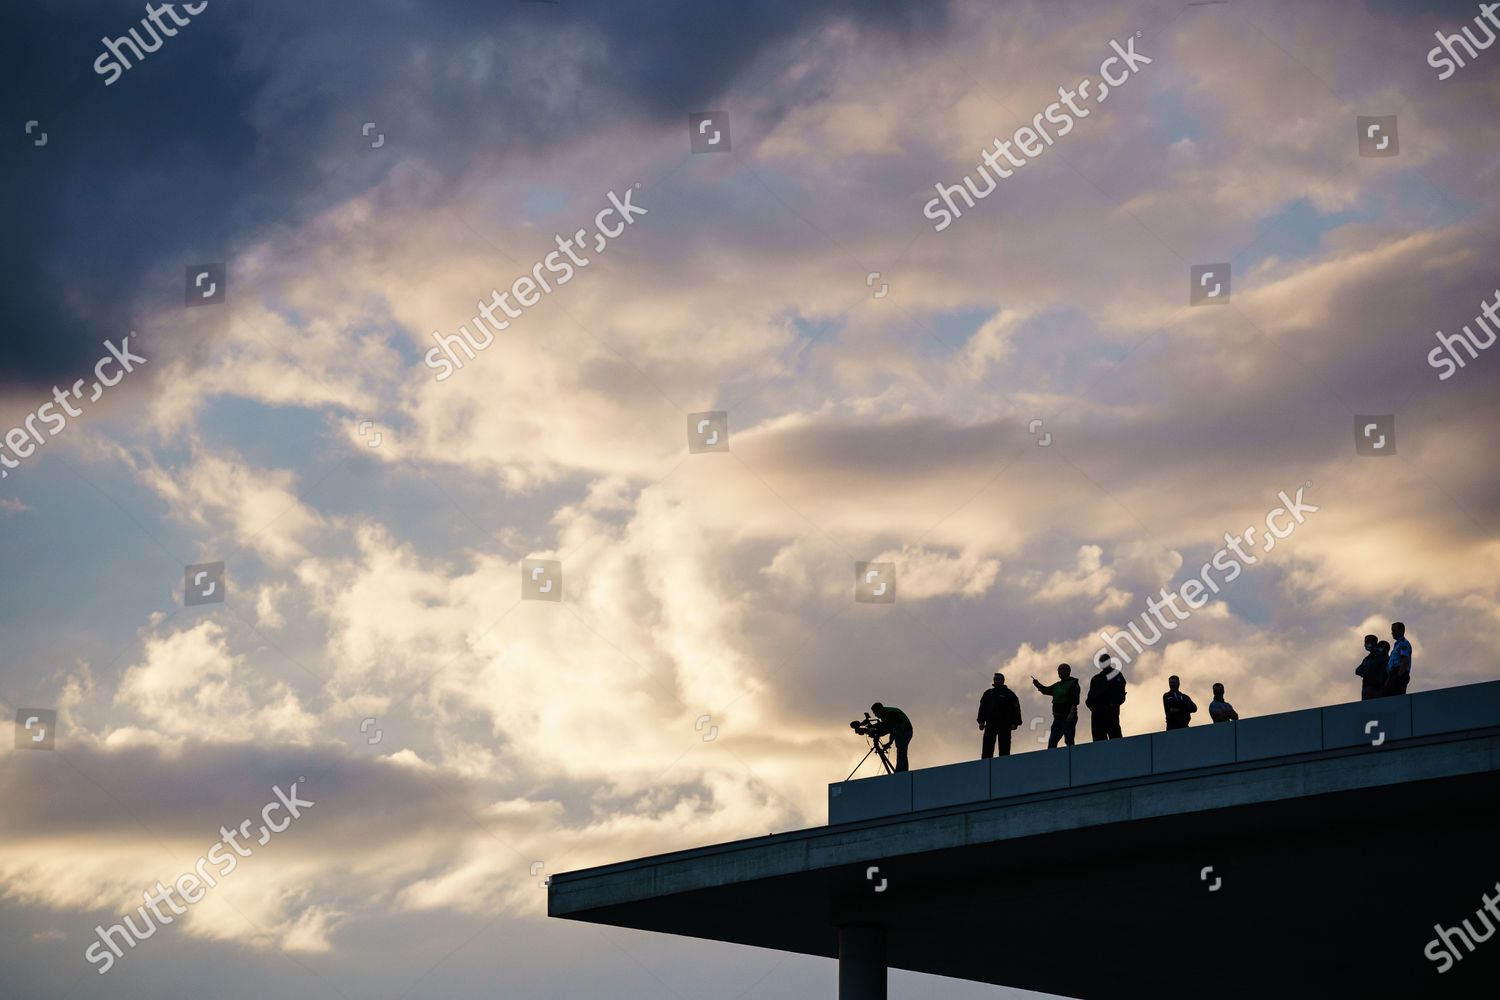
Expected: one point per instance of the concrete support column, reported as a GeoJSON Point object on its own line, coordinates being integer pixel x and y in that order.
{"type": "Point", "coordinates": [862, 962]}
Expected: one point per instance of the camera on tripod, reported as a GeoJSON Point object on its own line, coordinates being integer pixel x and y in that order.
{"type": "Point", "coordinates": [868, 727]}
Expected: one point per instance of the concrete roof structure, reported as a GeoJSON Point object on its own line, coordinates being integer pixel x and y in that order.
{"type": "Point", "coordinates": [1309, 853]}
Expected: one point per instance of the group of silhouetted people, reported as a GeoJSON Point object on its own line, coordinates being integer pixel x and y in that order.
{"type": "Point", "coordinates": [1385, 671]}
{"type": "Point", "coordinates": [1386, 668]}
{"type": "Point", "coordinates": [1179, 708]}
{"type": "Point", "coordinates": [1000, 709]}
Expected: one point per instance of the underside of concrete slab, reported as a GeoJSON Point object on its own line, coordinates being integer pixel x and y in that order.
{"type": "Point", "coordinates": [1321, 873]}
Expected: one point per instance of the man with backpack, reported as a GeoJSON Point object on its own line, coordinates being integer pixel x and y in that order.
{"type": "Point", "coordinates": [999, 714]}
{"type": "Point", "coordinates": [1106, 695]}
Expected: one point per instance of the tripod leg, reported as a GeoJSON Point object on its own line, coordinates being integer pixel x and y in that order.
{"type": "Point", "coordinates": [865, 758]}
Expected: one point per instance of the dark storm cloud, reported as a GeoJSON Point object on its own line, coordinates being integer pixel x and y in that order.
{"type": "Point", "coordinates": [132, 790]}
{"type": "Point", "coordinates": [250, 118]}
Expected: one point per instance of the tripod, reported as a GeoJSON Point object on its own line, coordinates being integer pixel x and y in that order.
{"type": "Point", "coordinates": [875, 748]}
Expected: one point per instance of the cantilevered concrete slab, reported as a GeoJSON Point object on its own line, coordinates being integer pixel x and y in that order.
{"type": "Point", "coordinates": [1275, 857]}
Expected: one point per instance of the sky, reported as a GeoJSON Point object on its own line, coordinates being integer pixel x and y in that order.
{"type": "Point", "coordinates": [262, 230]}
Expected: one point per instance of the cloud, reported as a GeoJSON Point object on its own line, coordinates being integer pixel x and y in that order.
{"type": "Point", "coordinates": [693, 684]}
{"type": "Point", "coordinates": [190, 684]}
{"type": "Point", "coordinates": [925, 574]}
{"type": "Point", "coordinates": [1090, 579]}
{"type": "Point", "coordinates": [262, 139]}
{"type": "Point", "coordinates": [255, 508]}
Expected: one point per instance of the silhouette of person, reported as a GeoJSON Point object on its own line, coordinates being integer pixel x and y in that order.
{"type": "Point", "coordinates": [1219, 709]}
{"type": "Point", "coordinates": [1106, 695]}
{"type": "Point", "coordinates": [1371, 669]}
{"type": "Point", "coordinates": [1064, 705]}
{"type": "Point", "coordinates": [999, 713]}
{"type": "Point", "coordinates": [893, 722]}
{"type": "Point", "coordinates": [1398, 667]}
{"type": "Point", "coordinates": [1179, 708]}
